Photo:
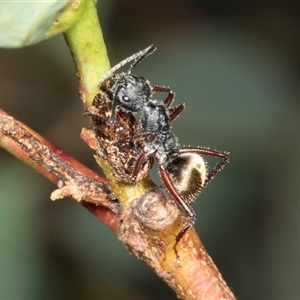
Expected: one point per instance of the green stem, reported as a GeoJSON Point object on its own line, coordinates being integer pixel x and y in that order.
{"type": "Point", "coordinates": [86, 43]}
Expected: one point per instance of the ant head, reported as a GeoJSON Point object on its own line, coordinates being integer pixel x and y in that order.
{"type": "Point", "coordinates": [124, 89]}
{"type": "Point", "coordinates": [129, 91]}
{"type": "Point", "coordinates": [188, 174]}
{"type": "Point", "coordinates": [132, 92]}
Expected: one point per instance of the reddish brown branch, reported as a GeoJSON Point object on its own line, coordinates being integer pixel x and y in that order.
{"type": "Point", "coordinates": [72, 178]}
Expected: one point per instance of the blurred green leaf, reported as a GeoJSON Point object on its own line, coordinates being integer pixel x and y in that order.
{"type": "Point", "coordinates": [23, 23]}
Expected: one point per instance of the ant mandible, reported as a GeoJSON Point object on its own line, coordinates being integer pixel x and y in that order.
{"type": "Point", "coordinates": [182, 169]}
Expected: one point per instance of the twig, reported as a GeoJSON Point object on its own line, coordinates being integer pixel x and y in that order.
{"type": "Point", "coordinates": [72, 178]}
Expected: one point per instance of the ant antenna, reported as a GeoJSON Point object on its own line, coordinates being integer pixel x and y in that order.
{"type": "Point", "coordinates": [141, 55]}
{"type": "Point", "coordinates": [138, 57]}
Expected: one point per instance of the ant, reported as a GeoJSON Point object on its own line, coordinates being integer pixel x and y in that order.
{"type": "Point", "coordinates": [182, 169]}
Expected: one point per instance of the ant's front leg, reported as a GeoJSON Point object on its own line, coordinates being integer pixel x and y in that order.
{"type": "Point", "coordinates": [93, 112]}
{"type": "Point", "coordinates": [101, 109]}
{"type": "Point", "coordinates": [164, 89]}
{"type": "Point", "coordinates": [138, 166]}
{"type": "Point", "coordinates": [173, 112]}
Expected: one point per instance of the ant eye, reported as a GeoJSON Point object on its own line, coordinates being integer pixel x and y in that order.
{"type": "Point", "coordinates": [125, 98]}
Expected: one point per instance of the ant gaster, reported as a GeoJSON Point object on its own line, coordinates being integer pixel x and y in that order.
{"type": "Point", "coordinates": [182, 169]}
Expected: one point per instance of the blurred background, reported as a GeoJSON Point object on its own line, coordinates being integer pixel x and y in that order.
{"type": "Point", "coordinates": [236, 65]}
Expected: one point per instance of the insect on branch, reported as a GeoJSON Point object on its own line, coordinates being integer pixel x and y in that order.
{"type": "Point", "coordinates": [155, 225]}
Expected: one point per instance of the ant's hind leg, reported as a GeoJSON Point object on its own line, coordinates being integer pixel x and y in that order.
{"type": "Point", "coordinates": [214, 153]}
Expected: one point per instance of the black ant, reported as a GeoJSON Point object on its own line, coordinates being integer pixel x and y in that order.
{"type": "Point", "coordinates": [182, 169]}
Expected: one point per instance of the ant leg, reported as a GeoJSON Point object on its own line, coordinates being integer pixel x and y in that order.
{"type": "Point", "coordinates": [205, 151]}
{"type": "Point", "coordinates": [171, 188]}
{"type": "Point", "coordinates": [173, 112]}
{"type": "Point", "coordinates": [218, 167]}
{"type": "Point", "coordinates": [179, 200]}
{"type": "Point", "coordinates": [95, 115]}
{"type": "Point", "coordinates": [88, 112]}
{"type": "Point", "coordinates": [181, 204]}
{"type": "Point", "coordinates": [113, 108]}
{"type": "Point", "coordinates": [164, 89]}
{"type": "Point", "coordinates": [138, 166]}
{"type": "Point", "coordinates": [102, 110]}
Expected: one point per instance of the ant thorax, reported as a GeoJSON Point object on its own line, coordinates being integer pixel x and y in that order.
{"type": "Point", "coordinates": [164, 147]}
{"type": "Point", "coordinates": [155, 118]}
{"type": "Point", "coordinates": [188, 173]}
{"type": "Point", "coordinates": [159, 140]}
